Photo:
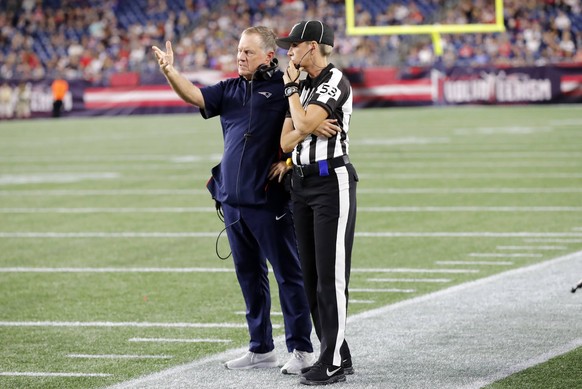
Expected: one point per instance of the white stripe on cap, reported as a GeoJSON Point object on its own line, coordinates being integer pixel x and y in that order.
{"type": "Point", "coordinates": [321, 37]}
{"type": "Point", "coordinates": [304, 27]}
{"type": "Point", "coordinates": [296, 24]}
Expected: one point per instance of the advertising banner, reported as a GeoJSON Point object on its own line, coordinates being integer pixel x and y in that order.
{"type": "Point", "coordinates": [500, 86]}
{"type": "Point", "coordinates": [467, 85]}
{"type": "Point", "coordinates": [372, 87]}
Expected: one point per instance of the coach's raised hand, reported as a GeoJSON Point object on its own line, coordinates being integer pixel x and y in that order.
{"type": "Point", "coordinates": [165, 60]}
{"type": "Point", "coordinates": [187, 91]}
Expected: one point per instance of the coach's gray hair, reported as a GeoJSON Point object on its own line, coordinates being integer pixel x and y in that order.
{"type": "Point", "coordinates": [267, 35]}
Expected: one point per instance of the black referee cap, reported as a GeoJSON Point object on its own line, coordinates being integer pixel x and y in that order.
{"type": "Point", "coordinates": [308, 30]}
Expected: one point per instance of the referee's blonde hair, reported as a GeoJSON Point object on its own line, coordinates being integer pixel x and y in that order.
{"type": "Point", "coordinates": [325, 50]}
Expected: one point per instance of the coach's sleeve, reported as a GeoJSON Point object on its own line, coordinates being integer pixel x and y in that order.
{"type": "Point", "coordinates": [212, 100]}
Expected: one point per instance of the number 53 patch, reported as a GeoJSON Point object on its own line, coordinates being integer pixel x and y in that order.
{"type": "Point", "coordinates": [331, 91]}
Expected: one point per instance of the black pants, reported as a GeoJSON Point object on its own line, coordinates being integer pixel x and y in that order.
{"type": "Point", "coordinates": [324, 212]}
{"type": "Point", "coordinates": [57, 107]}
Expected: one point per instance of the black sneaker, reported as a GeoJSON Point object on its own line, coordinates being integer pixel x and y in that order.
{"type": "Point", "coordinates": [306, 369]}
{"type": "Point", "coordinates": [347, 366]}
{"type": "Point", "coordinates": [346, 358]}
{"type": "Point", "coordinates": [322, 374]}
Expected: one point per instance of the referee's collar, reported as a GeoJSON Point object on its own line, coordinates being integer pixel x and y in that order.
{"type": "Point", "coordinates": [315, 81]}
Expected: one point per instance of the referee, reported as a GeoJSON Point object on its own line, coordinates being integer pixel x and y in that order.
{"type": "Point", "coordinates": [323, 189]}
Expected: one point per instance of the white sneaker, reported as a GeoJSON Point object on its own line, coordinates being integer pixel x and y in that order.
{"type": "Point", "coordinates": [299, 360]}
{"type": "Point", "coordinates": [253, 361]}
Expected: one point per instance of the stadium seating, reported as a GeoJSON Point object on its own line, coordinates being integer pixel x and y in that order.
{"type": "Point", "coordinates": [41, 41]}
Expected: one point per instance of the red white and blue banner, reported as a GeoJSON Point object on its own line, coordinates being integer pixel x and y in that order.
{"type": "Point", "coordinates": [373, 87]}
{"type": "Point", "coordinates": [468, 85]}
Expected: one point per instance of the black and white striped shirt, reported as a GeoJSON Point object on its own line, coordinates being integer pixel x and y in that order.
{"type": "Point", "coordinates": [330, 90]}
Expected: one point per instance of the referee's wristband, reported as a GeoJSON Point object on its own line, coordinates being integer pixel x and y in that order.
{"type": "Point", "coordinates": [287, 85]}
{"type": "Point", "coordinates": [291, 90]}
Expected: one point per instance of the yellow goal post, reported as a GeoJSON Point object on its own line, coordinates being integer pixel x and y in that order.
{"type": "Point", "coordinates": [435, 30]}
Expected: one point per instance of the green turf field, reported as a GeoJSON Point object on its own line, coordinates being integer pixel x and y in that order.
{"type": "Point", "coordinates": [107, 234]}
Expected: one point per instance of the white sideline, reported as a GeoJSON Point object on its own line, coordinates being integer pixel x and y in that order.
{"type": "Point", "coordinates": [469, 209]}
{"type": "Point", "coordinates": [480, 263]}
{"type": "Point", "coordinates": [526, 364]}
{"type": "Point", "coordinates": [505, 255]}
{"type": "Point", "coordinates": [414, 280]}
{"type": "Point", "coordinates": [115, 270]}
{"type": "Point", "coordinates": [121, 324]}
{"type": "Point", "coordinates": [192, 192]}
{"type": "Point", "coordinates": [550, 240]}
{"type": "Point", "coordinates": [206, 270]}
{"type": "Point", "coordinates": [531, 248]}
{"type": "Point", "coordinates": [466, 336]}
{"type": "Point", "coordinates": [178, 340]}
{"type": "Point", "coordinates": [468, 176]}
{"type": "Point", "coordinates": [118, 356]}
{"type": "Point", "coordinates": [381, 290]}
{"type": "Point", "coordinates": [45, 374]}
{"type": "Point", "coordinates": [362, 234]}
{"type": "Point", "coordinates": [121, 210]}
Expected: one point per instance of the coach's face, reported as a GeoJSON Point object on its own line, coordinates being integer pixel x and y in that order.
{"type": "Point", "coordinates": [251, 55]}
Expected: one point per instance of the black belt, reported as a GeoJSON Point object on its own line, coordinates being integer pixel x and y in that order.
{"type": "Point", "coordinates": [320, 168]}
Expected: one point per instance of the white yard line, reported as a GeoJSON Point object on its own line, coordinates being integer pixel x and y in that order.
{"type": "Point", "coordinates": [112, 158]}
{"type": "Point", "coordinates": [464, 190]}
{"type": "Point", "coordinates": [475, 155]}
{"type": "Point", "coordinates": [205, 270]}
{"type": "Point", "coordinates": [516, 368]}
{"type": "Point", "coordinates": [552, 240]}
{"type": "Point", "coordinates": [178, 340]}
{"type": "Point", "coordinates": [118, 356]}
{"type": "Point", "coordinates": [37, 178]}
{"type": "Point", "coordinates": [273, 313]}
{"type": "Point", "coordinates": [104, 192]}
{"type": "Point", "coordinates": [502, 255]}
{"type": "Point", "coordinates": [470, 209]}
{"type": "Point", "coordinates": [485, 263]}
{"type": "Point", "coordinates": [414, 270]}
{"type": "Point", "coordinates": [87, 169]}
{"type": "Point", "coordinates": [470, 176]}
{"type": "Point", "coordinates": [114, 270]}
{"type": "Point", "coordinates": [482, 234]}
{"type": "Point", "coordinates": [213, 210]}
{"type": "Point", "coordinates": [468, 164]}
{"type": "Point", "coordinates": [47, 374]}
{"type": "Point", "coordinates": [388, 290]}
{"type": "Point", "coordinates": [112, 324]}
{"type": "Point", "coordinates": [164, 235]}
{"type": "Point", "coordinates": [192, 192]}
{"type": "Point", "coordinates": [531, 247]}
{"type": "Point", "coordinates": [111, 210]}
{"type": "Point", "coordinates": [411, 280]}
{"type": "Point", "coordinates": [82, 235]}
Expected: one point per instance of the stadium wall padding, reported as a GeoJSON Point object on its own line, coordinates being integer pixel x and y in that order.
{"type": "Point", "coordinates": [373, 87]}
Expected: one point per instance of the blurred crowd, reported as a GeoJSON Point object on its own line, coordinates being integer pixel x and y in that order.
{"type": "Point", "coordinates": [91, 40]}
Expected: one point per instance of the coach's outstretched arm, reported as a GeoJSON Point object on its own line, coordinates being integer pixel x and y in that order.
{"type": "Point", "coordinates": [187, 91]}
